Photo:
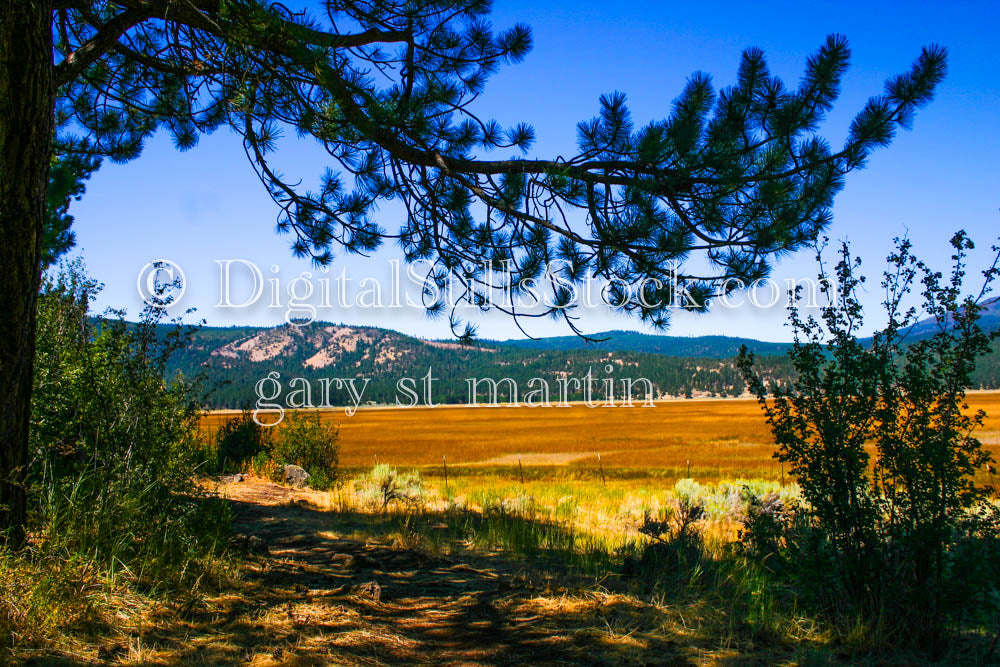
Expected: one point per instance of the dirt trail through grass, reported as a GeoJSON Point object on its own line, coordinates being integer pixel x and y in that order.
{"type": "Point", "coordinates": [310, 600]}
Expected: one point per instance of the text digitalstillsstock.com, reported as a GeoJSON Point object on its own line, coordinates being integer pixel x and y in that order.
{"type": "Point", "coordinates": [242, 284]}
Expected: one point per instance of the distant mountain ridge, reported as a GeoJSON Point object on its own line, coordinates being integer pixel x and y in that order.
{"type": "Point", "coordinates": [233, 359]}
{"type": "Point", "coordinates": [256, 343]}
{"type": "Point", "coordinates": [989, 320]}
{"type": "Point", "coordinates": [711, 347]}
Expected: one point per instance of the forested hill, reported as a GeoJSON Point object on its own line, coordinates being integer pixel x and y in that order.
{"type": "Point", "coordinates": [989, 319]}
{"type": "Point", "coordinates": [234, 359]}
{"type": "Point", "coordinates": [713, 347]}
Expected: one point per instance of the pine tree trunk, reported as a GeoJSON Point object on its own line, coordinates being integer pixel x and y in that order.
{"type": "Point", "coordinates": [26, 117]}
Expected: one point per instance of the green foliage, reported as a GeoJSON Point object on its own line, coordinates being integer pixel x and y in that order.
{"type": "Point", "coordinates": [67, 174]}
{"type": "Point", "coordinates": [304, 440]}
{"type": "Point", "coordinates": [113, 441]}
{"type": "Point", "coordinates": [725, 179]}
{"type": "Point", "coordinates": [675, 542]}
{"type": "Point", "coordinates": [240, 440]}
{"type": "Point", "coordinates": [884, 538]}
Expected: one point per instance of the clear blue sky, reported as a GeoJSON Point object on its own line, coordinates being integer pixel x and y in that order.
{"type": "Point", "coordinates": [206, 204]}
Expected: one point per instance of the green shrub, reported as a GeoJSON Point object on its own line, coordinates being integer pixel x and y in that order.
{"type": "Point", "coordinates": [239, 440]}
{"type": "Point", "coordinates": [902, 545]}
{"type": "Point", "coordinates": [384, 485]}
{"type": "Point", "coordinates": [304, 440]}
{"type": "Point", "coordinates": [113, 441]}
{"type": "Point", "coordinates": [264, 466]}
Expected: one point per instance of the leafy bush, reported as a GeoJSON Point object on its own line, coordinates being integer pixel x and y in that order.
{"type": "Point", "coordinates": [304, 440]}
{"type": "Point", "coordinates": [113, 440]}
{"type": "Point", "coordinates": [239, 440]}
{"type": "Point", "coordinates": [887, 540]}
{"type": "Point", "coordinates": [264, 466]}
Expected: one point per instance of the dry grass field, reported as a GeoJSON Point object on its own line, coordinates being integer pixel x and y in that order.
{"type": "Point", "coordinates": [548, 457]}
{"type": "Point", "coordinates": [708, 440]}
{"type": "Point", "coordinates": [528, 552]}
{"type": "Point", "coordinates": [525, 494]}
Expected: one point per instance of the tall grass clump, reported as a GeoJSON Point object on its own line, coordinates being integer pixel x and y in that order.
{"type": "Point", "coordinates": [894, 540]}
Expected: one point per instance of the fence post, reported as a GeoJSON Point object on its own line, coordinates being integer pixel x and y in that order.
{"type": "Point", "coordinates": [445, 460]}
{"type": "Point", "coordinates": [601, 465]}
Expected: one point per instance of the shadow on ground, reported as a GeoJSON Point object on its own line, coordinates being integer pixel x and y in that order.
{"type": "Point", "coordinates": [339, 587]}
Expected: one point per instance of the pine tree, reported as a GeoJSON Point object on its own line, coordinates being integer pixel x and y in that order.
{"type": "Point", "coordinates": [731, 179]}
{"type": "Point", "coordinates": [67, 174]}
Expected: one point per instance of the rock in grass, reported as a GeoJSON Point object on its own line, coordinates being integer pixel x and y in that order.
{"type": "Point", "coordinates": [232, 479]}
{"type": "Point", "coordinates": [296, 476]}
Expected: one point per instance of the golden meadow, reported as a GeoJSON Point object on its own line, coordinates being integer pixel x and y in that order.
{"type": "Point", "coordinates": [480, 456]}
{"type": "Point", "coordinates": [718, 439]}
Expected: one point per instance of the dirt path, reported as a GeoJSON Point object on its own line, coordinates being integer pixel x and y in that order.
{"type": "Point", "coordinates": [337, 588]}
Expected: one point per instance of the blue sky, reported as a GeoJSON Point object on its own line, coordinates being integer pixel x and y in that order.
{"type": "Point", "coordinates": [206, 204]}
